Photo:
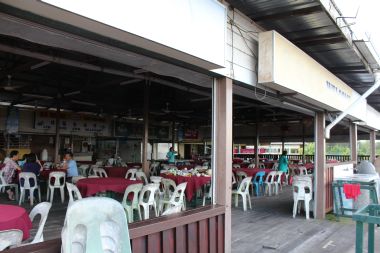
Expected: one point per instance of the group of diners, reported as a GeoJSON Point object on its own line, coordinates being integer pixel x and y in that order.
{"type": "Point", "coordinates": [13, 165]}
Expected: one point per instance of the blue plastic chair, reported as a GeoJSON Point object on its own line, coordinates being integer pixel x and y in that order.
{"type": "Point", "coordinates": [258, 182]}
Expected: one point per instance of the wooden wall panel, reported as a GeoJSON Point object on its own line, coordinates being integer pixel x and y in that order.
{"type": "Point", "coordinates": [181, 239]}
{"type": "Point", "coordinates": [220, 228]}
{"type": "Point", "coordinates": [213, 234]}
{"type": "Point", "coordinates": [169, 241]}
{"type": "Point", "coordinates": [203, 236]}
{"type": "Point", "coordinates": [139, 245]}
{"type": "Point", "coordinates": [154, 243]}
{"type": "Point", "coordinates": [192, 238]}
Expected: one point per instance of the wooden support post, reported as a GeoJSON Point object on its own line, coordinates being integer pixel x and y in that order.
{"type": "Point", "coordinates": [222, 151]}
{"type": "Point", "coordinates": [257, 143]}
{"type": "Point", "coordinates": [372, 137]}
{"type": "Point", "coordinates": [57, 130]}
{"type": "Point", "coordinates": [145, 163]}
{"type": "Point", "coordinates": [173, 134]}
{"type": "Point", "coordinates": [354, 142]}
{"type": "Point", "coordinates": [319, 166]}
{"type": "Point", "coordinates": [303, 144]}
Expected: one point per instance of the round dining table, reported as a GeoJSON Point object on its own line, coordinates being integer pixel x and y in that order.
{"type": "Point", "coordinates": [193, 183]}
{"type": "Point", "coordinates": [91, 186]}
{"type": "Point", "coordinates": [15, 217]}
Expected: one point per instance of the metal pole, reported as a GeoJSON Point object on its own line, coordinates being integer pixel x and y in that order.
{"type": "Point", "coordinates": [375, 86]}
{"type": "Point", "coordinates": [57, 131]}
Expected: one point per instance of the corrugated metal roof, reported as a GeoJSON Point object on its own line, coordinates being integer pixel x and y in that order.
{"type": "Point", "coordinates": [311, 27]}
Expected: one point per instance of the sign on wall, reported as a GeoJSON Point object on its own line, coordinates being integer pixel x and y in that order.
{"type": "Point", "coordinates": [286, 68]}
{"type": "Point", "coordinates": [135, 130]}
{"type": "Point", "coordinates": [71, 123]}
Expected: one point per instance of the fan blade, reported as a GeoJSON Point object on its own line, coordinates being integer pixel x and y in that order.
{"type": "Point", "coordinates": [183, 112]}
{"type": "Point", "coordinates": [158, 113]}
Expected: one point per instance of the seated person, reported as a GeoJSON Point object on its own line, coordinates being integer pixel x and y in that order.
{"type": "Point", "coordinates": [31, 165]}
{"type": "Point", "coordinates": [70, 166]}
{"type": "Point", "coordinates": [22, 161]}
{"type": "Point", "coordinates": [10, 169]}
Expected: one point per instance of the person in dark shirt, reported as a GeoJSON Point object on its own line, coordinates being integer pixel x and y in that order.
{"type": "Point", "coordinates": [32, 165]}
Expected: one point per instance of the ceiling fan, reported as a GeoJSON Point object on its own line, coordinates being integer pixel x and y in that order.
{"type": "Point", "coordinates": [167, 111]}
{"type": "Point", "coordinates": [8, 86]}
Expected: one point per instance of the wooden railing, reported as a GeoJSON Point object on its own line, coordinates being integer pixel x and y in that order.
{"type": "Point", "coordinates": [339, 158]}
{"type": "Point", "coordinates": [198, 230]}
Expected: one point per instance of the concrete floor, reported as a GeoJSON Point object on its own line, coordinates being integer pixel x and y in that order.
{"type": "Point", "coordinates": [269, 227]}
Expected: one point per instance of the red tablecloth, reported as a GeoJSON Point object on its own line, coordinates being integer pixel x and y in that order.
{"type": "Point", "coordinates": [268, 165]}
{"type": "Point", "coordinates": [252, 172]}
{"type": "Point", "coordinates": [44, 175]}
{"type": "Point", "coordinates": [189, 167]}
{"type": "Point", "coordinates": [91, 186]}
{"type": "Point", "coordinates": [15, 217]}
{"type": "Point", "coordinates": [193, 183]}
{"type": "Point", "coordinates": [116, 171]}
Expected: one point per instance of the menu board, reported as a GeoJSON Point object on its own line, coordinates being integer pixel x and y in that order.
{"type": "Point", "coordinates": [135, 130]}
{"type": "Point", "coordinates": [71, 123]}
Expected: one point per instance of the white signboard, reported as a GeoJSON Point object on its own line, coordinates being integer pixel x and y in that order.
{"type": "Point", "coordinates": [71, 123]}
{"type": "Point", "coordinates": [343, 171]}
{"type": "Point", "coordinates": [195, 27]}
{"type": "Point", "coordinates": [286, 68]}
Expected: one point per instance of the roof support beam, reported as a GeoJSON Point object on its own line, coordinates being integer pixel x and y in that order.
{"type": "Point", "coordinates": [288, 14]}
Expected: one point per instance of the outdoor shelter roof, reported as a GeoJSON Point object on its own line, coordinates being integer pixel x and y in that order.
{"type": "Point", "coordinates": [312, 28]}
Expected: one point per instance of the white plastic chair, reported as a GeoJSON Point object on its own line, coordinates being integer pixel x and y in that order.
{"type": "Point", "coordinates": [74, 193]}
{"type": "Point", "coordinates": [95, 225]}
{"type": "Point", "coordinates": [27, 178]}
{"type": "Point", "coordinates": [153, 168]}
{"type": "Point", "coordinates": [278, 182]}
{"type": "Point", "coordinates": [99, 163]}
{"type": "Point", "coordinates": [236, 166]}
{"type": "Point", "coordinates": [176, 198]}
{"type": "Point", "coordinates": [168, 187]}
{"type": "Point", "coordinates": [275, 166]}
{"type": "Point", "coordinates": [302, 191]}
{"type": "Point", "coordinates": [172, 210]}
{"type": "Point", "coordinates": [302, 171]}
{"type": "Point", "coordinates": [4, 184]}
{"type": "Point", "coordinates": [140, 175]}
{"type": "Point", "coordinates": [147, 200]}
{"type": "Point", "coordinates": [99, 172]}
{"type": "Point", "coordinates": [269, 182]}
{"type": "Point", "coordinates": [261, 166]}
{"type": "Point", "coordinates": [131, 174]}
{"type": "Point", "coordinates": [83, 169]}
{"type": "Point", "coordinates": [74, 180]}
{"type": "Point", "coordinates": [207, 193]}
{"type": "Point", "coordinates": [240, 176]}
{"type": "Point", "coordinates": [251, 166]}
{"type": "Point", "coordinates": [41, 209]}
{"type": "Point", "coordinates": [243, 191]}
{"type": "Point", "coordinates": [155, 179]}
{"type": "Point", "coordinates": [9, 238]}
{"type": "Point", "coordinates": [59, 183]}
{"type": "Point", "coordinates": [234, 181]}
{"type": "Point", "coordinates": [134, 204]}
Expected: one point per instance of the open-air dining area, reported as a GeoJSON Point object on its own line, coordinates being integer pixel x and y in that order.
{"type": "Point", "coordinates": [205, 126]}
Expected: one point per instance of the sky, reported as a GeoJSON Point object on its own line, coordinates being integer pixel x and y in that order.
{"type": "Point", "coordinates": [367, 22]}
